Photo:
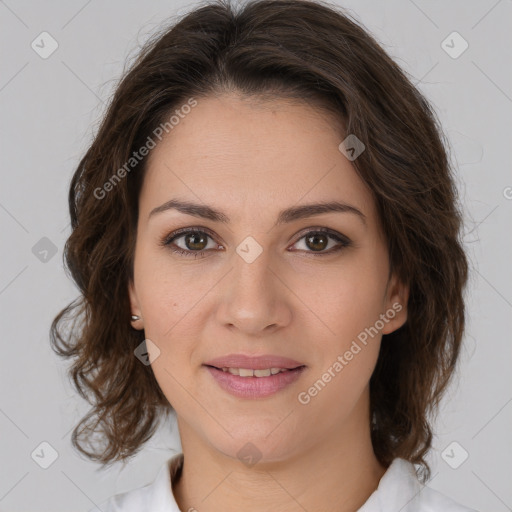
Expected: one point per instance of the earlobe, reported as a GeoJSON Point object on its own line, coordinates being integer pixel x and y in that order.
{"type": "Point", "coordinates": [136, 316]}
{"type": "Point", "coordinates": [396, 305]}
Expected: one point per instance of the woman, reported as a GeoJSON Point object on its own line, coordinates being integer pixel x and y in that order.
{"type": "Point", "coordinates": [266, 240]}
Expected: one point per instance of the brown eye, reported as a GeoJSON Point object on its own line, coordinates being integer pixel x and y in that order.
{"type": "Point", "coordinates": [189, 242]}
{"type": "Point", "coordinates": [196, 241]}
{"type": "Point", "coordinates": [319, 242]}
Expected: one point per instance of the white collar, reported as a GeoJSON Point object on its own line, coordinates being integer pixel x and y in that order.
{"type": "Point", "coordinates": [398, 489]}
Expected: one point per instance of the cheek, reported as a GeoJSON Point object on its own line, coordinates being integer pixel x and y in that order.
{"type": "Point", "coordinates": [346, 352]}
{"type": "Point", "coordinates": [353, 346]}
{"type": "Point", "coordinates": [170, 323]}
{"type": "Point", "coordinates": [166, 303]}
{"type": "Point", "coordinates": [347, 300]}
{"type": "Point", "coordinates": [349, 303]}
{"type": "Point", "coordinates": [167, 291]}
{"type": "Point", "coordinates": [357, 308]}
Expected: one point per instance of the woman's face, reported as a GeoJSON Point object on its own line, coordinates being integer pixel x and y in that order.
{"type": "Point", "coordinates": [264, 283]}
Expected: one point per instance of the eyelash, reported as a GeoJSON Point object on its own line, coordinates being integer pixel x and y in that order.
{"type": "Point", "coordinates": [168, 240]}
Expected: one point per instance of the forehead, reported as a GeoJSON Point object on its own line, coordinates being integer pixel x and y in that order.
{"type": "Point", "coordinates": [252, 155]}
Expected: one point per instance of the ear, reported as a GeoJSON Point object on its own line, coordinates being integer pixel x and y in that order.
{"type": "Point", "coordinates": [395, 302]}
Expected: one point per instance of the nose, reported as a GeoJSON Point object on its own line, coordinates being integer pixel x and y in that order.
{"type": "Point", "coordinates": [254, 298]}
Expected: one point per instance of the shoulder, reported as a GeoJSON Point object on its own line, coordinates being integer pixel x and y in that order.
{"type": "Point", "coordinates": [130, 501]}
{"type": "Point", "coordinates": [400, 489]}
{"type": "Point", "coordinates": [434, 501]}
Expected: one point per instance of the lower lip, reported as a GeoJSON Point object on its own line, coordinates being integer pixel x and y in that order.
{"type": "Point", "coordinates": [254, 387]}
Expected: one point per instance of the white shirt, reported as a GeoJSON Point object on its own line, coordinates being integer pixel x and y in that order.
{"type": "Point", "coordinates": [398, 489]}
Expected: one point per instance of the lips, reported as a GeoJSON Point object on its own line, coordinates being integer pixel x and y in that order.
{"type": "Point", "coordinates": [255, 387]}
{"type": "Point", "coordinates": [260, 362]}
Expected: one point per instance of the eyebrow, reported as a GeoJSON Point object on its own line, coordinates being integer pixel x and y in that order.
{"type": "Point", "coordinates": [285, 216]}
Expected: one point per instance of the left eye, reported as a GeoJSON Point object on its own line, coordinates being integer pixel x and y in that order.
{"type": "Point", "coordinates": [196, 242]}
{"type": "Point", "coordinates": [319, 241]}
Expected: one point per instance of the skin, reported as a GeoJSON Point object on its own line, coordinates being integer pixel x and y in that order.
{"type": "Point", "coordinates": [251, 159]}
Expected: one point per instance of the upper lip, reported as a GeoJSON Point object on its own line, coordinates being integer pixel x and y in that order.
{"type": "Point", "coordinates": [253, 362]}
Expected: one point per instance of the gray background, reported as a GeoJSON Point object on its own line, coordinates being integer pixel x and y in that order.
{"type": "Point", "coordinates": [49, 110]}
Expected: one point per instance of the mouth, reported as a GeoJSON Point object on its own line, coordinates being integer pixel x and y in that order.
{"type": "Point", "coordinates": [251, 383]}
{"type": "Point", "coordinates": [254, 372]}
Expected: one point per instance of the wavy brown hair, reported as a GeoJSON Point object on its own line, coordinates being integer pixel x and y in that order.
{"type": "Point", "coordinates": [310, 51]}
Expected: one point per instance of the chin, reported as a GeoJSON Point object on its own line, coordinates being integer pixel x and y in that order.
{"type": "Point", "coordinates": [257, 447]}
